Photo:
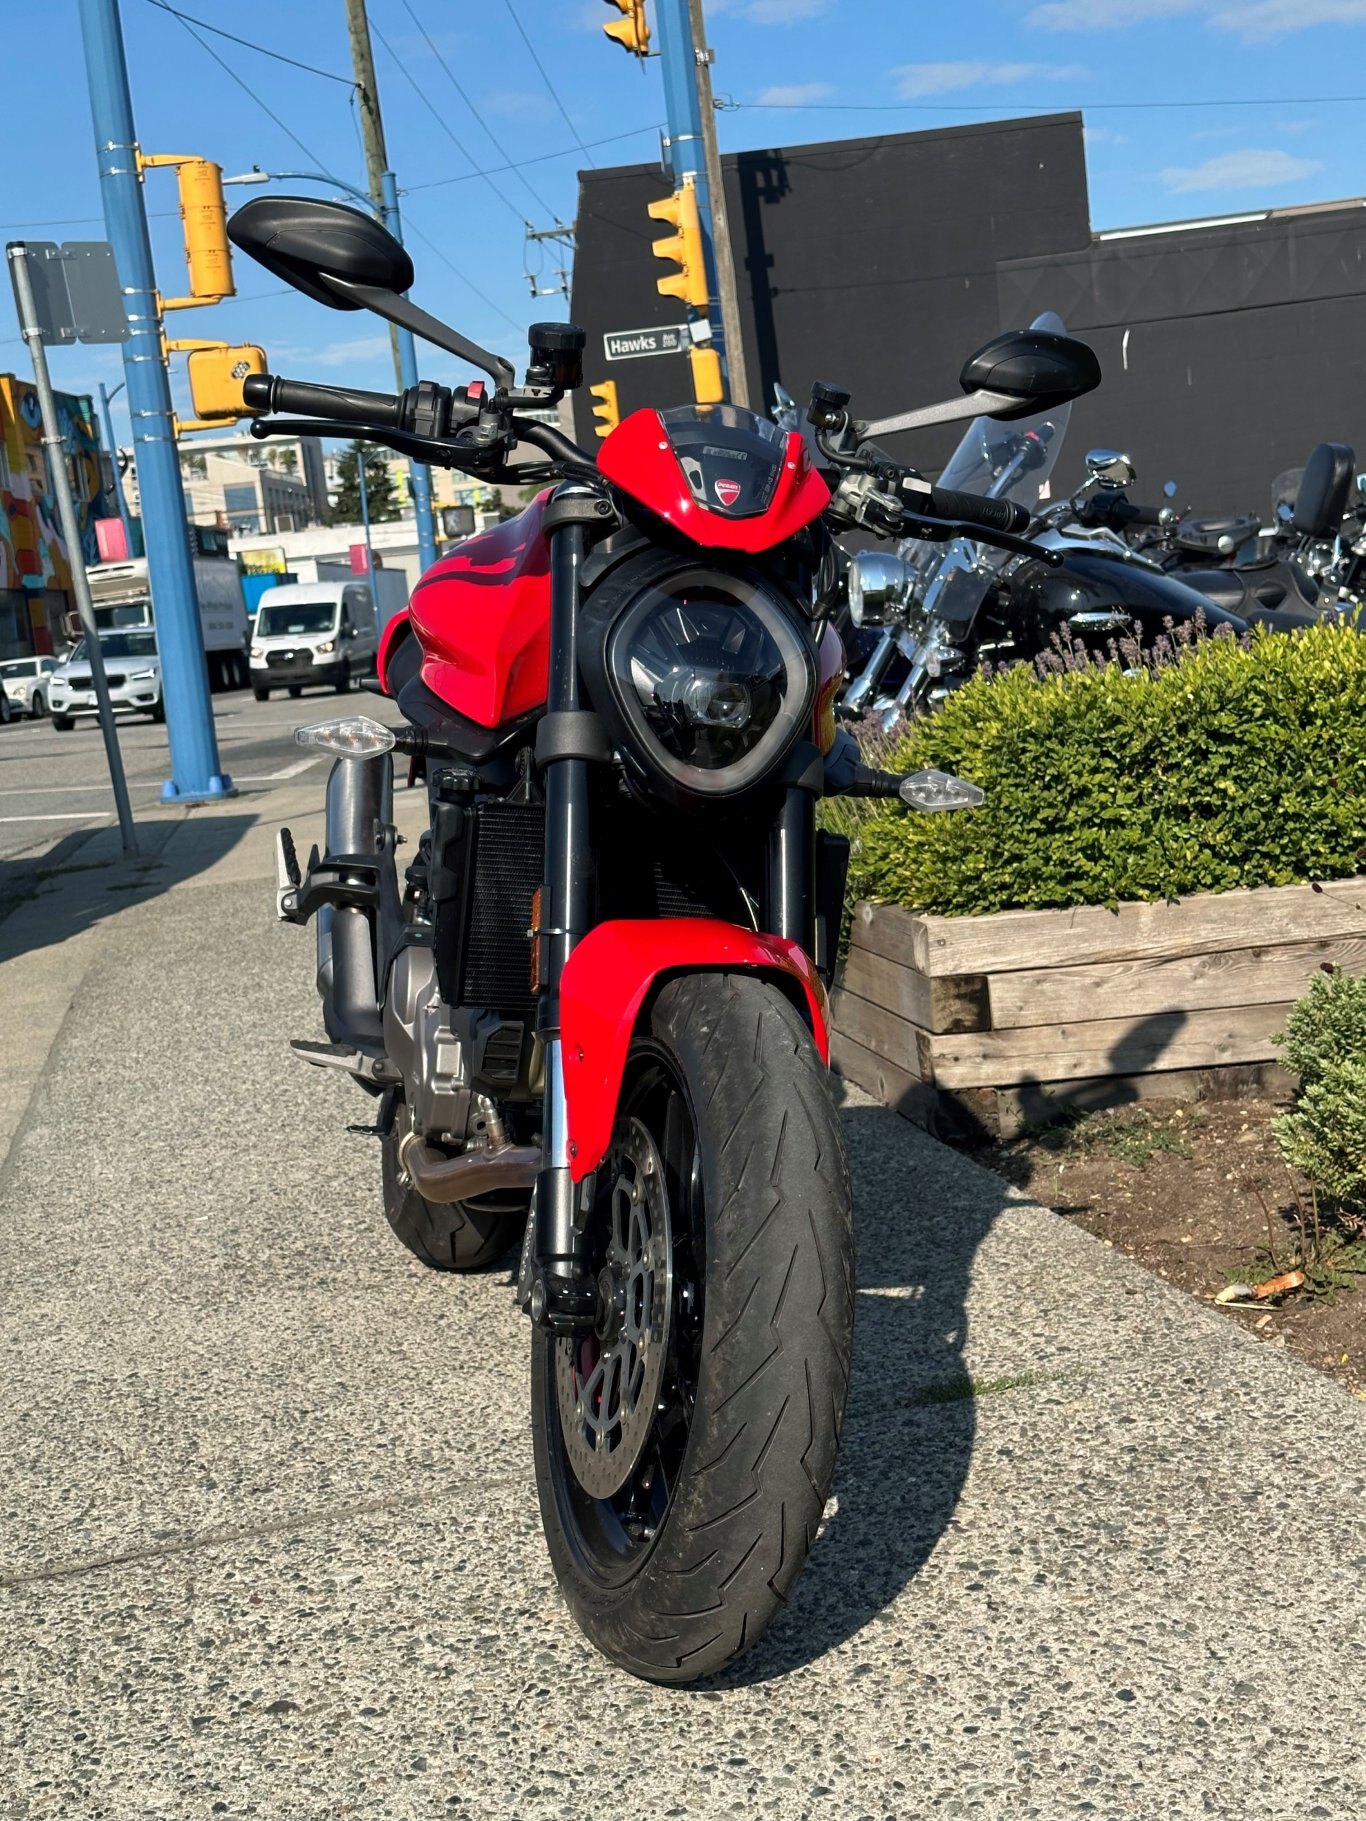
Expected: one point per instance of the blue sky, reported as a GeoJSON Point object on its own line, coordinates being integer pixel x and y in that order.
{"type": "Point", "coordinates": [1259, 130]}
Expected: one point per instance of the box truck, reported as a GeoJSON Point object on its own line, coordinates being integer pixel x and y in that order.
{"type": "Point", "coordinates": [122, 598]}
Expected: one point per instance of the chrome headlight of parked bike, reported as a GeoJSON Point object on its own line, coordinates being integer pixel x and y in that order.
{"type": "Point", "coordinates": [705, 677]}
{"type": "Point", "coordinates": [879, 589]}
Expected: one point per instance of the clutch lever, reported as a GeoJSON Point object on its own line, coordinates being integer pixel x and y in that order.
{"type": "Point", "coordinates": [943, 530]}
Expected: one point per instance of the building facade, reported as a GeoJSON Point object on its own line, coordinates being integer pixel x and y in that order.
{"type": "Point", "coordinates": [242, 484]}
{"type": "Point", "coordinates": [35, 568]}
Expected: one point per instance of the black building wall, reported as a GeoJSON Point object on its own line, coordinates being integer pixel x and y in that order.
{"type": "Point", "coordinates": [881, 263]}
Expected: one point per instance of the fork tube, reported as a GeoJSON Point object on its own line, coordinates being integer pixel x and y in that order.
{"type": "Point", "coordinates": [792, 869]}
{"type": "Point", "coordinates": [561, 1295]}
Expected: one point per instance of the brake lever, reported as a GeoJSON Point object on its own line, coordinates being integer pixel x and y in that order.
{"type": "Point", "coordinates": [943, 530]}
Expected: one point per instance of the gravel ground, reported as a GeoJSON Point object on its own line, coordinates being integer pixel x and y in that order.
{"type": "Point", "coordinates": [268, 1535]}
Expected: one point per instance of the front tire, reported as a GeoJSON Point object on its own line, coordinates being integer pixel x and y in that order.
{"type": "Point", "coordinates": [62, 723]}
{"type": "Point", "coordinates": [37, 708]}
{"type": "Point", "coordinates": [262, 695]}
{"type": "Point", "coordinates": [686, 1564]}
{"type": "Point", "coordinates": [296, 690]}
{"type": "Point", "coordinates": [343, 683]}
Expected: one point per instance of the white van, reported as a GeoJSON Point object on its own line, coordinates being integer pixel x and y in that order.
{"type": "Point", "coordinates": [312, 632]}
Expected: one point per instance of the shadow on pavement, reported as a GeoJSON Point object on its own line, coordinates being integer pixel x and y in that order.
{"type": "Point", "coordinates": [910, 1422]}
{"type": "Point", "coordinates": [86, 877]}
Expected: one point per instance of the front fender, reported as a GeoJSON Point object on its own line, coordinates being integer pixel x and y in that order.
{"type": "Point", "coordinates": [608, 978]}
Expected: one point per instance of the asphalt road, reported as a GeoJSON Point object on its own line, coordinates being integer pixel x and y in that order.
{"type": "Point", "coordinates": [268, 1535]}
{"type": "Point", "coordinates": [53, 785]}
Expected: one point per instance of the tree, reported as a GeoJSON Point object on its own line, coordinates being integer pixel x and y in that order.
{"type": "Point", "coordinates": [379, 487]}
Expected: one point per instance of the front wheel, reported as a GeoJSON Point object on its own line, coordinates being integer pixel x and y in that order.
{"type": "Point", "coordinates": [36, 707]}
{"type": "Point", "coordinates": [685, 1450]}
{"type": "Point", "coordinates": [62, 723]}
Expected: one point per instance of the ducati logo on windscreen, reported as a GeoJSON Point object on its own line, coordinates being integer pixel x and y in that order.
{"type": "Point", "coordinates": [727, 491]}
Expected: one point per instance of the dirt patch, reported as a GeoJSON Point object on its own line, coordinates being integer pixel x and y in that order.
{"type": "Point", "coordinates": [1198, 1192]}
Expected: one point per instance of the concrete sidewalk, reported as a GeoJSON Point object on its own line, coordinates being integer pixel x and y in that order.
{"type": "Point", "coordinates": [268, 1534]}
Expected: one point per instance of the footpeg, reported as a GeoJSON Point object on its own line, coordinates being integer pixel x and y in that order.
{"type": "Point", "coordinates": [342, 1056]}
{"type": "Point", "coordinates": [288, 878]}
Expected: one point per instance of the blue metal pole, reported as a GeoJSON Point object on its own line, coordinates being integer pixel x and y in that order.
{"type": "Point", "coordinates": [105, 398]}
{"type": "Point", "coordinates": [195, 775]}
{"type": "Point", "coordinates": [683, 112]}
{"type": "Point", "coordinates": [419, 474]}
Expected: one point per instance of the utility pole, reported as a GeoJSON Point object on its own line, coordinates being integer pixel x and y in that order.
{"type": "Point", "coordinates": [195, 775]}
{"type": "Point", "coordinates": [720, 225]}
{"type": "Point", "coordinates": [384, 195]}
{"type": "Point", "coordinates": [681, 35]}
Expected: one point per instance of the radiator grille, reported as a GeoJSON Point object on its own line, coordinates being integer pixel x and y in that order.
{"type": "Point", "coordinates": [509, 859]}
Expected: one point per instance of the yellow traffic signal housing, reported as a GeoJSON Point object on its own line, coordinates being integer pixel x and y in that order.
{"type": "Point", "coordinates": [216, 375]}
{"type": "Point", "coordinates": [606, 411]}
{"type": "Point", "coordinates": [632, 33]}
{"type": "Point", "coordinates": [204, 218]}
{"type": "Point", "coordinates": [684, 246]}
{"type": "Point", "coordinates": [707, 385]}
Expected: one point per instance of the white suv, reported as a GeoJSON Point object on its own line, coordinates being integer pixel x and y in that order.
{"type": "Point", "coordinates": [27, 683]}
{"type": "Point", "coordinates": [132, 667]}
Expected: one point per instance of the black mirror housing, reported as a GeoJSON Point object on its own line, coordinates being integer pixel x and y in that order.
{"type": "Point", "coordinates": [1038, 368]}
{"type": "Point", "coordinates": [1325, 487]}
{"type": "Point", "coordinates": [306, 241]}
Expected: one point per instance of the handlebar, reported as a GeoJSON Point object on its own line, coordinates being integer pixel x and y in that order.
{"type": "Point", "coordinates": [269, 392]}
{"type": "Point", "coordinates": [973, 509]}
{"type": "Point", "coordinates": [1118, 512]}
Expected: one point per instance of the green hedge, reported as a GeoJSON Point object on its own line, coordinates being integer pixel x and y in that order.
{"type": "Point", "coordinates": [1232, 764]}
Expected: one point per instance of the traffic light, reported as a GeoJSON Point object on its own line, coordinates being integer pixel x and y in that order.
{"type": "Point", "coordinates": [632, 33]}
{"type": "Point", "coordinates": [707, 385]}
{"type": "Point", "coordinates": [684, 246]}
{"type": "Point", "coordinates": [204, 218]}
{"type": "Point", "coordinates": [216, 375]}
{"type": "Point", "coordinates": [606, 411]}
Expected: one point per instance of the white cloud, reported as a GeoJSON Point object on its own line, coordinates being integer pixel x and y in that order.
{"type": "Point", "coordinates": [1250, 169]}
{"type": "Point", "coordinates": [794, 94]}
{"type": "Point", "coordinates": [914, 80]}
{"type": "Point", "coordinates": [1254, 23]}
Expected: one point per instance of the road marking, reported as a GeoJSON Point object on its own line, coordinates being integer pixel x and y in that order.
{"type": "Point", "coordinates": [87, 815]}
{"type": "Point", "coordinates": [290, 771]}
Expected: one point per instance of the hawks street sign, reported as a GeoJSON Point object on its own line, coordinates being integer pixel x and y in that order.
{"type": "Point", "coordinates": [631, 344]}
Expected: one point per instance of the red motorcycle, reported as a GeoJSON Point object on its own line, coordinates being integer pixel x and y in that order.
{"type": "Point", "coordinates": [593, 1009]}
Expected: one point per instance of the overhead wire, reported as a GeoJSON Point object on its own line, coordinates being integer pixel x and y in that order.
{"type": "Point", "coordinates": [247, 89]}
{"type": "Point", "coordinates": [1003, 109]}
{"type": "Point", "coordinates": [443, 123]}
{"type": "Point", "coordinates": [554, 92]}
{"type": "Point", "coordinates": [260, 49]}
{"type": "Point", "coordinates": [445, 258]}
{"type": "Point", "coordinates": [438, 183]}
{"type": "Point", "coordinates": [488, 131]}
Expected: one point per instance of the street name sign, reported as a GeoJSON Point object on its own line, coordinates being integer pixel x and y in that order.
{"type": "Point", "coordinates": [634, 344]}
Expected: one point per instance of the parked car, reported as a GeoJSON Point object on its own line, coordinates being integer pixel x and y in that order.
{"type": "Point", "coordinates": [312, 632]}
{"type": "Point", "coordinates": [6, 712]}
{"type": "Point", "coordinates": [131, 665]}
{"type": "Point", "coordinates": [27, 681]}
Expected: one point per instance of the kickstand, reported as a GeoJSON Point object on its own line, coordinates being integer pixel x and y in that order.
{"type": "Point", "coordinates": [384, 1120]}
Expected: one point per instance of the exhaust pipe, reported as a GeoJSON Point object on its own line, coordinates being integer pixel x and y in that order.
{"type": "Point", "coordinates": [359, 803]}
{"type": "Point", "coordinates": [445, 1179]}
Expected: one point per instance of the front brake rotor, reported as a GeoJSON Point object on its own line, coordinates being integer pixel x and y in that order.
{"type": "Point", "coordinates": [607, 1383]}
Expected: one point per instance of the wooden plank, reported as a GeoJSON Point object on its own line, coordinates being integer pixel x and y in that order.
{"type": "Point", "coordinates": [1037, 1102]}
{"type": "Point", "coordinates": [892, 1086]}
{"type": "Point", "coordinates": [1089, 933]}
{"type": "Point", "coordinates": [1188, 983]}
{"type": "Point", "coordinates": [877, 1029]}
{"type": "Point", "coordinates": [954, 1003]}
{"type": "Point", "coordinates": [1104, 1046]}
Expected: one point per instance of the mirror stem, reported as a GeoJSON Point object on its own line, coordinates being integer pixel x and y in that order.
{"type": "Point", "coordinates": [397, 309]}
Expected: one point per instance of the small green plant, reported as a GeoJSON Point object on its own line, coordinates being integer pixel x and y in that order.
{"type": "Point", "coordinates": [1220, 764]}
{"type": "Point", "coordinates": [1138, 1141]}
{"type": "Point", "coordinates": [1324, 1134]}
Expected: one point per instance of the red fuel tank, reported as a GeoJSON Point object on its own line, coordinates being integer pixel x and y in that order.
{"type": "Point", "coordinates": [482, 618]}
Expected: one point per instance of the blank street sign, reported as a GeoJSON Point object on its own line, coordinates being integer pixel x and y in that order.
{"type": "Point", "coordinates": [76, 291]}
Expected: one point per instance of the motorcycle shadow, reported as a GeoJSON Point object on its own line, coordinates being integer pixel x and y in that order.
{"type": "Point", "coordinates": [910, 1421]}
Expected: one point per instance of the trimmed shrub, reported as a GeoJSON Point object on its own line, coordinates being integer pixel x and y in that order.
{"type": "Point", "coordinates": [1229, 764]}
{"type": "Point", "coordinates": [1325, 1044]}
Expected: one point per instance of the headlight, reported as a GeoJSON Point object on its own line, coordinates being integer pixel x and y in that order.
{"type": "Point", "coordinates": [325, 645]}
{"type": "Point", "coordinates": [879, 589]}
{"type": "Point", "coordinates": [143, 676]}
{"type": "Point", "coordinates": [258, 651]}
{"type": "Point", "coordinates": [712, 680]}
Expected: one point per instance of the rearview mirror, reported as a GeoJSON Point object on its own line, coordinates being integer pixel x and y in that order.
{"type": "Point", "coordinates": [345, 259]}
{"type": "Point", "coordinates": [312, 244]}
{"type": "Point", "coordinates": [1110, 470]}
{"type": "Point", "coordinates": [1035, 369]}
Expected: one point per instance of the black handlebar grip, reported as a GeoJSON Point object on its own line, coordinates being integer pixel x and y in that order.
{"type": "Point", "coordinates": [1147, 515]}
{"type": "Point", "coordinates": [972, 509]}
{"type": "Point", "coordinates": [268, 392]}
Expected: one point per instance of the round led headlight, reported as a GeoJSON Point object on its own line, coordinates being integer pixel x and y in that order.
{"type": "Point", "coordinates": [713, 680]}
{"type": "Point", "coordinates": [879, 589]}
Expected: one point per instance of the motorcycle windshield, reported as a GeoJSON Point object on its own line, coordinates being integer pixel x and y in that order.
{"type": "Point", "coordinates": [1011, 461]}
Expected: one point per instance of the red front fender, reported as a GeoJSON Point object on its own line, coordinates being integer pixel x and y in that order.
{"type": "Point", "coordinates": [605, 983]}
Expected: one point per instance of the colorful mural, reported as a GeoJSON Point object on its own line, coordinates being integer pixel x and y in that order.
{"type": "Point", "coordinates": [33, 554]}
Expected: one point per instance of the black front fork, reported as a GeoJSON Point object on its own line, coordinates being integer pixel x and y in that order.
{"type": "Point", "coordinates": [561, 1294]}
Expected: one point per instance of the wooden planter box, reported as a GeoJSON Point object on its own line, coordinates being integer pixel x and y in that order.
{"type": "Point", "coordinates": [983, 1023]}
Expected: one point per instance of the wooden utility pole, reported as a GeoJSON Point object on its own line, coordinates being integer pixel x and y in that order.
{"type": "Point", "coordinates": [371, 128]}
{"type": "Point", "coordinates": [720, 225]}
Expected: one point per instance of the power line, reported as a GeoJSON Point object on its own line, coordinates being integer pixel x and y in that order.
{"type": "Point", "coordinates": [554, 93]}
{"type": "Point", "coordinates": [427, 240]}
{"type": "Point", "coordinates": [443, 123]}
{"type": "Point", "coordinates": [1029, 107]}
{"type": "Point", "coordinates": [439, 183]}
{"type": "Point", "coordinates": [248, 90]}
{"type": "Point", "coordinates": [260, 49]}
{"type": "Point", "coordinates": [489, 133]}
